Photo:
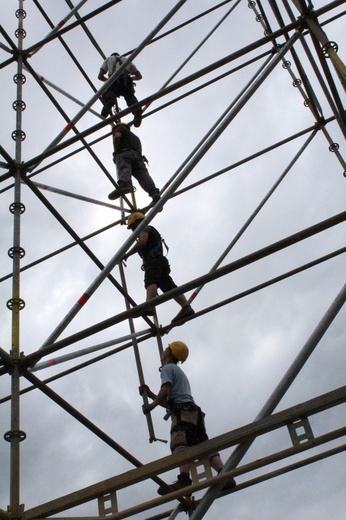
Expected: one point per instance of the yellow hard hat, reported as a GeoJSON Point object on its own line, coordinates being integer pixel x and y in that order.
{"type": "Point", "coordinates": [137, 215]}
{"type": "Point", "coordinates": [179, 350]}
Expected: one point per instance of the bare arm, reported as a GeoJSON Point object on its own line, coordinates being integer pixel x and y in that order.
{"type": "Point", "coordinates": [136, 75]}
{"type": "Point", "coordinates": [102, 75]}
{"type": "Point", "coordinates": [139, 245]}
{"type": "Point", "coordinates": [160, 399]}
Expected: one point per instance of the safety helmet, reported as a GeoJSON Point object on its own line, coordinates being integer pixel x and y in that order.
{"type": "Point", "coordinates": [179, 350]}
{"type": "Point", "coordinates": [137, 215]}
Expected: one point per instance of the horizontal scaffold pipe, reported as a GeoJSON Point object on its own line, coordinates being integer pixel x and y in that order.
{"type": "Point", "coordinates": [145, 334]}
{"type": "Point", "coordinates": [184, 24]}
{"type": "Point", "coordinates": [71, 26]}
{"type": "Point", "coordinates": [159, 94]}
{"type": "Point", "coordinates": [262, 285]}
{"type": "Point", "coordinates": [86, 422]}
{"type": "Point", "coordinates": [153, 111]}
{"type": "Point", "coordinates": [209, 277]}
{"type": "Point", "coordinates": [180, 178]}
{"type": "Point", "coordinates": [277, 395]}
{"type": "Point", "coordinates": [71, 370]}
{"type": "Point", "coordinates": [62, 249]}
{"type": "Point", "coordinates": [221, 442]}
{"type": "Point", "coordinates": [74, 235]}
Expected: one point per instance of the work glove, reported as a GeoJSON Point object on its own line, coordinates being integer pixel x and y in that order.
{"type": "Point", "coordinates": [142, 388]}
{"type": "Point", "coordinates": [147, 408]}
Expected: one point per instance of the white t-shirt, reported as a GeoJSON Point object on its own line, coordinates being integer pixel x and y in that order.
{"type": "Point", "coordinates": [113, 63]}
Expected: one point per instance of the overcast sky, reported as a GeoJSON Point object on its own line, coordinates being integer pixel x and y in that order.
{"type": "Point", "coordinates": [238, 353]}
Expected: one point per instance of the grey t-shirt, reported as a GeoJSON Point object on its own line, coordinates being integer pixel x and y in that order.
{"type": "Point", "coordinates": [180, 386]}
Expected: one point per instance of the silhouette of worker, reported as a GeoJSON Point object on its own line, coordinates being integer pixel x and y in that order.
{"type": "Point", "coordinates": [122, 86]}
{"type": "Point", "coordinates": [188, 427]}
{"type": "Point", "coordinates": [155, 265]}
{"type": "Point", "coordinates": [130, 163]}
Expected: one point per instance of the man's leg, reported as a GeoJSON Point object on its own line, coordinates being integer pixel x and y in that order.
{"type": "Point", "coordinates": [124, 169]}
{"type": "Point", "coordinates": [109, 99]}
{"type": "Point", "coordinates": [130, 98]}
{"type": "Point", "coordinates": [140, 172]}
{"type": "Point", "coordinates": [151, 291]}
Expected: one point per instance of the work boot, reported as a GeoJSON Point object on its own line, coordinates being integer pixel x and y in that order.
{"type": "Point", "coordinates": [107, 109]}
{"type": "Point", "coordinates": [138, 118]}
{"type": "Point", "coordinates": [183, 481]}
{"type": "Point", "coordinates": [115, 194]}
{"type": "Point", "coordinates": [156, 198]}
{"type": "Point", "coordinates": [185, 312]}
{"type": "Point", "coordinates": [229, 484]}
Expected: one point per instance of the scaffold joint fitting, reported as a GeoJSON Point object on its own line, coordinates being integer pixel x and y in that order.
{"type": "Point", "coordinates": [8, 436]}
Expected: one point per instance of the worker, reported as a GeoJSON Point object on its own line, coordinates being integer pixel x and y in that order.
{"type": "Point", "coordinates": [130, 162]}
{"type": "Point", "coordinates": [155, 264]}
{"type": "Point", "coordinates": [122, 86]}
{"type": "Point", "coordinates": [188, 428]}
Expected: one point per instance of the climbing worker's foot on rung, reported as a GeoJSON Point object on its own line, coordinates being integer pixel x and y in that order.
{"type": "Point", "coordinates": [229, 484]}
{"type": "Point", "coordinates": [115, 194]}
{"type": "Point", "coordinates": [107, 109]}
{"type": "Point", "coordinates": [185, 312]}
{"type": "Point", "coordinates": [179, 484]}
{"type": "Point", "coordinates": [156, 198]}
{"type": "Point", "coordinates": [138, 118]}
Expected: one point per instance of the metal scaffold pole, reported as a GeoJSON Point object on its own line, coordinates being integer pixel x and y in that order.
{"type": "Point", "coordinates": [276, 397]}
{"type": "Point", "coordinates": [16, 304]}
{"type": "Point", "coordinates": [250, 210]}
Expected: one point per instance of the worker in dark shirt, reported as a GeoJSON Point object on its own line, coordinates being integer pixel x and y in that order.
{"type": "Point", "coordinates": [130, 163]}
{"type": "Point", "coordinates": [155, 264]}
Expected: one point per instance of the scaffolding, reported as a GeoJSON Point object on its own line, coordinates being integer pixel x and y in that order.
{"type": "Point", "coordinates": [237, 246]}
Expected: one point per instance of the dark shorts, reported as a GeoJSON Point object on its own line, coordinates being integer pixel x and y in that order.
{"type": "Point", "coordinates": [123, 86]}
{"type": "Point", "coordinates": [188, 427]}
{"type": "Point", "coordinates": [157, 271]}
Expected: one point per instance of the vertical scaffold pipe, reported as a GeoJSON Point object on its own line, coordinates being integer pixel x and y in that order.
{"type": "Point", "coordinates": [276, 397]}
{"type": "Point", "coordinates": [16, 304]}
{"type": "Point", "coordinates": [137, 358]}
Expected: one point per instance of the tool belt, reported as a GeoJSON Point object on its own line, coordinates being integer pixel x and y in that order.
{"type": "Point", "coordinates": [189, 406]}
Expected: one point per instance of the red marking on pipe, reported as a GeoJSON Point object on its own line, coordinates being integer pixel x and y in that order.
{"type": "Point", "coordinates": [60, 24]}
{"type": "Point", "coordinates": [44, 187]}
{"type": "Point", "coordinates": [51, 362]}
{"type": "Point", "coordinates": [193, 295]}
{"type": "Point", "coordinates": [69, 126]}
{"type": "Point", "coordinates": [83, 299]}
{"type": "Point", "coordinates": [41, 78]}
{"type": "Point", "coordinates": [166, 185]}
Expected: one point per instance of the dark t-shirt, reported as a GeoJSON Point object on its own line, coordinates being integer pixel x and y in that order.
{"type": "Point", "coordinates": [128, 140]}
{"type": "Point", "coordinates": [154, 243]}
